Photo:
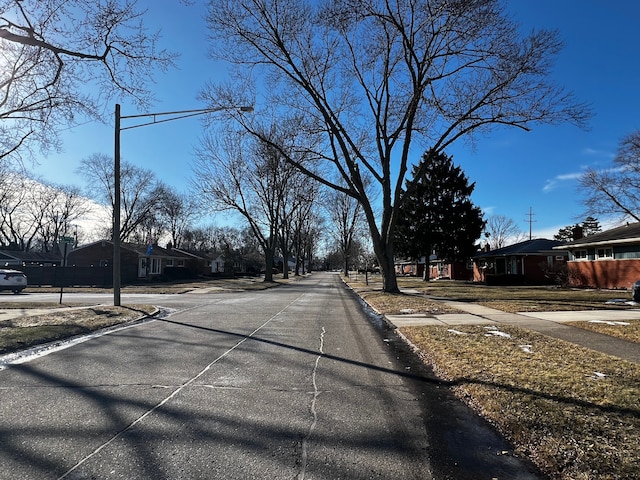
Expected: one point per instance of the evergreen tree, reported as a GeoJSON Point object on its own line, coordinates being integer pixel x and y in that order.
{"type": "Point", "coordinates": [589, 226]}
{"type": "Point", "coordinates": [438, 215]}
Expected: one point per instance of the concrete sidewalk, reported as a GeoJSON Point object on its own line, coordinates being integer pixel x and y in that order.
{"type": "Point", "coordinates": [552, 324]}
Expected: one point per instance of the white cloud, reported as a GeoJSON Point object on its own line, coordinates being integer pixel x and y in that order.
{"type": "Point", "coordinates": [555, 182]}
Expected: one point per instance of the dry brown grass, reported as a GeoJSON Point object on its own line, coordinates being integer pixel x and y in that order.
{"type": "Point", "coordinates": [575, 412]}
{"type": "Point", "coordinates": [27, 331]}
{"type": "Point", "coordinates": [396, 303]}
{"type": "Point", "coordinates": [508, 299]}
{"type": "Point", "coordinates": [627, 330]}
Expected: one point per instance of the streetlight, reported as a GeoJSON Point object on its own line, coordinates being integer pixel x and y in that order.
{"type": "Point", "coordinates": [176, 115]}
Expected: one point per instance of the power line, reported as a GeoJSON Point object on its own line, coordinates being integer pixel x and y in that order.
{"type": "Point", "coordinates": [530, 220]}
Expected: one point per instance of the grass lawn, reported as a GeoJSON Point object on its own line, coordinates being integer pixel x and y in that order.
{"type": "Point", "coordinates": [627, 330]}
{"type": "Point", "coordinates": [573, 411]}
{"type": "Point", "coordinates": [24, 332]}
{"type": "Point", "coordinates": [508, 299]}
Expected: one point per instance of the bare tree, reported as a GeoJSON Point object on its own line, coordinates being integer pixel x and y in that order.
{"type": "Point", "coordinates": [347, 221]}
{"type": "Point", "coordinates": [368, 78]}
{"type": "Point", "coordinates": [17, 229]}
{"type": "Point", "coordinates": [34, 214]}
{"type": "Point", "coordinates": [141, 193]}
{"type": "Point", "coordinates": [177, 211]}
{"type": "Point", "coordinates": [234, 175]}
{"type": "Point", "coordinates": [54, 209]}
{"type": "Point", "coordinates": [299, 193]}
{"type": "Point", "coordinates": [502, 231]}
{"type": "Point", "coordinates": [616, 191]}
{"type": "Point", "coordinates": [51, 50]}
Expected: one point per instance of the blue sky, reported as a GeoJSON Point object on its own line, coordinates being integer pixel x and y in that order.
{"type": "Point", "coordinates": [515, 171]}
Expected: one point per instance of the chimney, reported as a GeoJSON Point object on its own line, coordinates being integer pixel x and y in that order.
{"type": "Point", "coordinates": [487, 247]}
{"type": "Point", "coordinates": [578, 232]}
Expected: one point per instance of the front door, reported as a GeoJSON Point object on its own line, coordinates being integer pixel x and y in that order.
{"type": "Point", "coordinates": [142, 268]}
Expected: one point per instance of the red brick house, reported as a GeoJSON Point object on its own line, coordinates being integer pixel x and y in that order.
{"type": "Point", "coordinates": [136, 261]}
{"type": "Point", "coordinates": [526, 262]}
{"type": "Point", "coordinates": [410, 268]}
{"type": "Point", "coordinates": [609, 259]}
{"type": "Point", "coordinates": [437, 269]}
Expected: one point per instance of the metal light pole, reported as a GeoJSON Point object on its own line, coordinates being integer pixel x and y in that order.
{"type": "Point", "coordinates": [116, 173]}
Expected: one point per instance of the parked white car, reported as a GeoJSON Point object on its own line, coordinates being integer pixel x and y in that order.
{"type": "Point", "coordinates": [13, 280]}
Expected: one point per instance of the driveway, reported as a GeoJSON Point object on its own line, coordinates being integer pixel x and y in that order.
{"type": "Point", "coordinates": [293, 382]}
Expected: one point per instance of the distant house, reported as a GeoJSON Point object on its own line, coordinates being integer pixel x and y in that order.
{"type": "Point", "coordinates": [411, 268]}
{"type": "Point", "coordinates": [204, 263]}
{"type": "Point", "coordinates": [609, 259]}
{"type": "Point", "coordinates": [14, 258]}
{"type": "Point", "coordinates": [136, 261]}
{"type": "Point", "coordinates": [444, 269]}
{"type": "Point", "coordinates": [437, 269]}
{"type": "Point", "coordinates": [522, 263]}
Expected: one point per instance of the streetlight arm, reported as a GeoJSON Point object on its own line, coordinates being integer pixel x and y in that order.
{"type": "Point", "coordinates": [179, 115]}
{"type": "Point", "coordinates": [116, 173]}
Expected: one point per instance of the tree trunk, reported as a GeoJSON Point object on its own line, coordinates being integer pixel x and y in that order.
{"type": "Point", "coordinates": [384, 254]}
{"type": "Point", "coordinates": [268, 261]}
{"type": "Point", "coordinates": [388, 269]}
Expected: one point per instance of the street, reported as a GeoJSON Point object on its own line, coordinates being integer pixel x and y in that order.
{"type": "Point", "coordinates": [292, 382]}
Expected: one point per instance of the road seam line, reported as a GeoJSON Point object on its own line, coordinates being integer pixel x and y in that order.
{"type": "Point", "coordinates": [173, 394]}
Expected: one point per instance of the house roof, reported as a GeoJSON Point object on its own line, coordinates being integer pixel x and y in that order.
{"type": "Point", "coordinates": [537, 246]}
{"type": "Point", "coordinates": [30, 257]}
{"type": "Point", "coordinates": [156, 251]}
{"type": "Point", "coordinates": [141, 250]}
{"type": "Point", "coordinates": [198, 254]}
{"type": "Point", "coordinates": [626, 234]}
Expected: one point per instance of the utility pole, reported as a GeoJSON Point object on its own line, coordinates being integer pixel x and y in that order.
{"type": "Point", "coordinates": [164, 117]}
{"type": "Point", "coordinates": [531, 220]}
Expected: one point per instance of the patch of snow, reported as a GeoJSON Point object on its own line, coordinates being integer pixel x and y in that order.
{"type": "Point", "coordinates": [408, 310]}
{"type": "Point", "coordinates": [457, 332]}
{"type": "Point", "coordinates": [493, 331]}
{"type": "Point", "coordinates": [596, 376]}
{"type": "Point", "coordinates": [610, 322]}
{"type": "Point", "coordinates": [526, 348]}
{"type": "Point", "coordinates": [620, 301]}
{"type": "Point", "coordinates": [497, 333]}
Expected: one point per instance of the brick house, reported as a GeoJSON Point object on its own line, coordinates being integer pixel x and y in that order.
{"type": "Point", "coordinates": [441, 269]}
{"type": "Point", "coordinates": [526, 262]}
{"type": "Point", "coordinates": [411, 268]}
{"type": "Point", "coordinates": [609, 259]}
{"type": "Point", "coordinates": [437, 269]}
{"type": "Point", "coordinates": [204, 263]}
{"type": "Point", "coordinates": [137, 262]}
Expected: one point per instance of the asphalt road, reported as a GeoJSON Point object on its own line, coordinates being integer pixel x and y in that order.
{"type": "Point", "coordinates": [293, 383]}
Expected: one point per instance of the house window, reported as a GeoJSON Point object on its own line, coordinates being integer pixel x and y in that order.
{"type": "Point", "coordinates": [580, 255]}
{"type": "Point", "coordinates": [170, 262]}
{"type": "Point", "coordinates": [181, 263]}
{"type": "Point", "coordinates": [604, 253]}
{"type": "Point", "coordinates": [155, 266]}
